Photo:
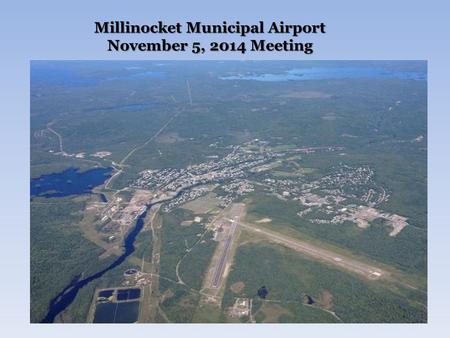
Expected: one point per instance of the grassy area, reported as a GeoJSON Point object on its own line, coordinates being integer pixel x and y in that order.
{"type": "Point", "coordinates": [208, 313]}
{"type": "Point", "coordinates": [181, 306]}
{"type": "Point", "coordinates": [195, 264]}
{"type": "Point", "coordinates": [373, 242]}
{"type": "Point", "coordinates": [175, 240]}
{"type": "Point", "coordinates": [143, 245]}
{"type": "Point", "coordinates": [288, 276]}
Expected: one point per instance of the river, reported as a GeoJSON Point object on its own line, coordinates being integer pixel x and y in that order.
{"type": "Point", "coordinates": [63, 299]}
{"type": "Point", "coordinates": [68, 294]}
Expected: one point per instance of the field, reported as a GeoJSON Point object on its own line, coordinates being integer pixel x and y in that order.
{"type": "Point", "coordinates": [290, 276]}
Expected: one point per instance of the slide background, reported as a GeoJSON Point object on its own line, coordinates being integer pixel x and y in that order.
{"type": "Point", "coordinates": [355, 30]}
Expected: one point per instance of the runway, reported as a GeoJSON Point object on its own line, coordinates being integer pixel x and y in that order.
{"type": "Point", "coordinates": [351, 264]}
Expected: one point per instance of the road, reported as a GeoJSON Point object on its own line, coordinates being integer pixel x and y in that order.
{"type": "Point", "coordinates": [122, 162]}
{"type": "Point", "coordinates": [61, 150]}
{"type": "Point", "coordinates": [314, 251]}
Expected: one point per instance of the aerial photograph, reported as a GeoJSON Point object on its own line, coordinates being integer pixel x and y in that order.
{"type": "Point", "coordinates": [228, 192]}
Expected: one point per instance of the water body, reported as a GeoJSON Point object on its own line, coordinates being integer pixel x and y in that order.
{"type": "Point", "coordinates": [68, 294]}
{"type": "Point", "coordinates": [126, 312]}
{"type": "Point", "coordinates": [309, 300]}
{"type": "Point", "coordinates": [263, 292]}
{"type": "Point", "coordinates": [139, 75]}
{"type": "Point", "coordinates": [73, 74]}
{"type": "Point", "coordinates": [68, 182]}
{"type": "Point", "coordinates": [128, 294]}
{"type": "Point", "coordinates": [52, 74]}
{"type": "Point", "coordinates": [330, 73]}
{"type": "Point", "coordinates": [106, 293]}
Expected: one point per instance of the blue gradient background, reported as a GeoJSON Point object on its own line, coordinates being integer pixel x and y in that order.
{"type": "Point", "coordinates": [355, 30]}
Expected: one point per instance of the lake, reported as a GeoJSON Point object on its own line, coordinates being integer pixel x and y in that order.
{"type": "Point", "coordinates": [68, 182]}
{"type": "Point", "coordinates": [329, 73]}
{"type": "Point", "coordinates": [74, 75]}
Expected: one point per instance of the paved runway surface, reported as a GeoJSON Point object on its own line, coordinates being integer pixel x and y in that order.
{"type": "Point", "coordinates": [309, 249]}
